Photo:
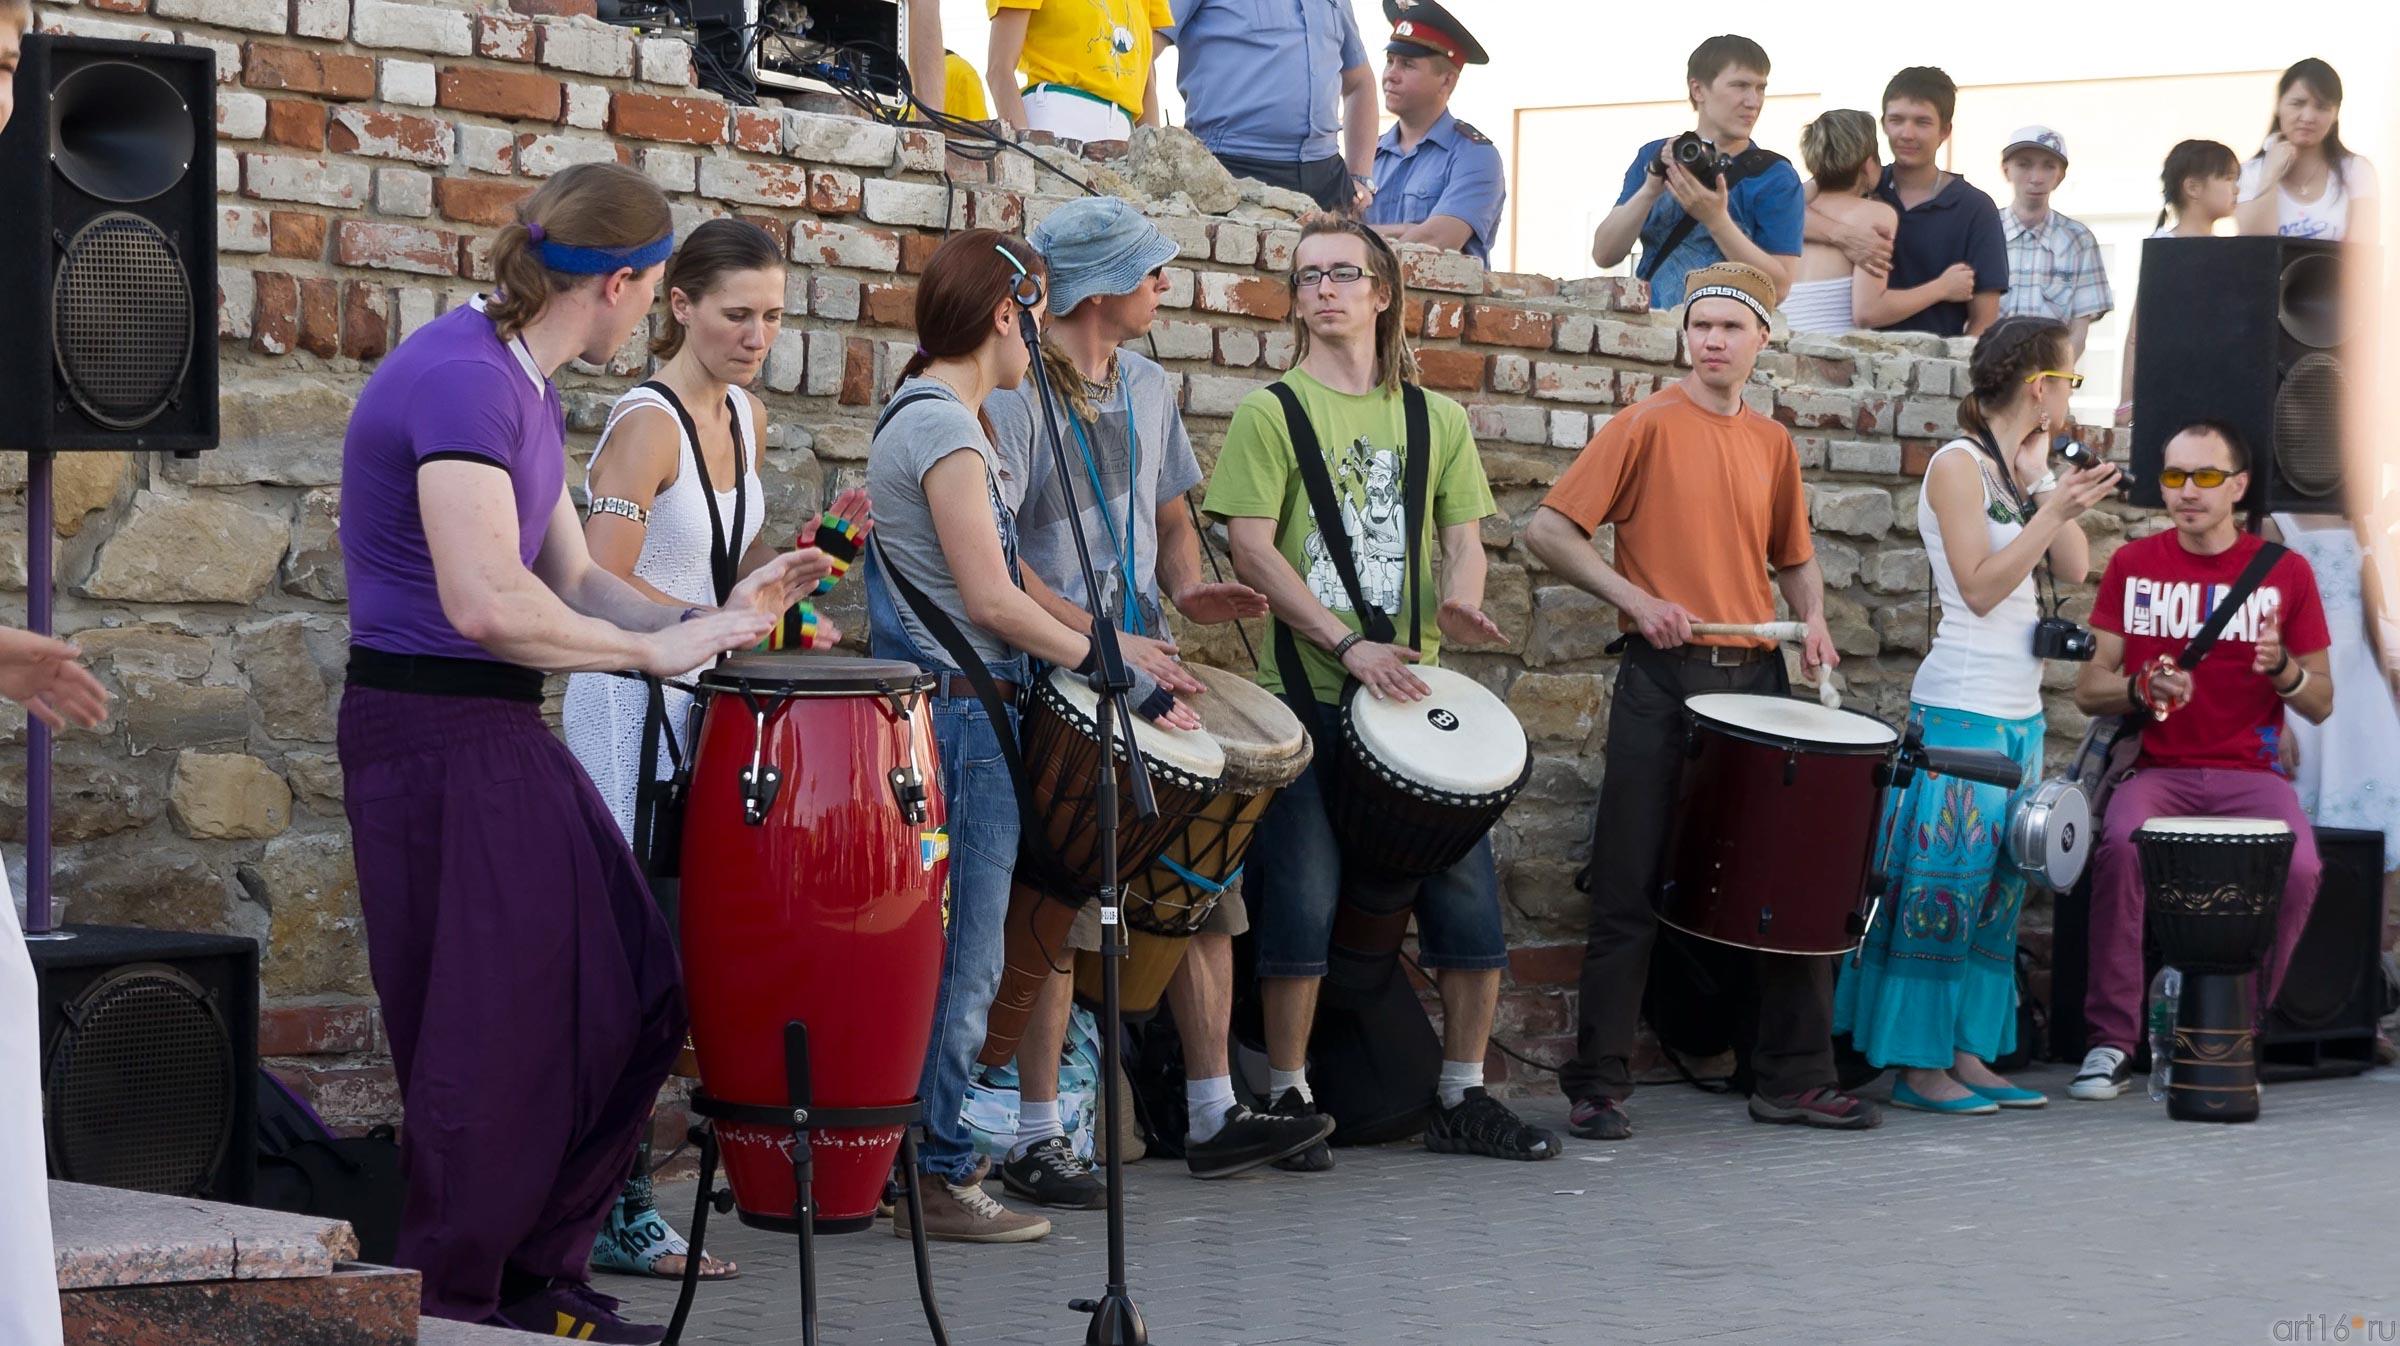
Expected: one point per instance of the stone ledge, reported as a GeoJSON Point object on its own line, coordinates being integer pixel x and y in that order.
{"type": "Point", "coordinates": [107, 1237]}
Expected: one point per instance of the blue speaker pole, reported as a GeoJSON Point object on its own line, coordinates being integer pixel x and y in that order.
{"type": "Point", "coordinates": [38, 539]}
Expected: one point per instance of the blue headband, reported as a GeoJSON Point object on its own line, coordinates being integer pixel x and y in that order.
{"type": "Point", "coordinates": [576, 261]}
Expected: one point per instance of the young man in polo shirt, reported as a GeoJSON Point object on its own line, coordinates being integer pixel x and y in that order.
{"type": "Point", "coordinates": [2054, 268]}
{"type": "Point", "coordinates": [1749, 212]}
{"type": "Point", "coordinates": [1949, 231]}
{"type": "Point", "coordinates": [1705, 496]}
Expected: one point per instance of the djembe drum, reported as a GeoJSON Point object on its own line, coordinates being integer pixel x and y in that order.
{"type": "Point", "coordinates": [2214, 886]}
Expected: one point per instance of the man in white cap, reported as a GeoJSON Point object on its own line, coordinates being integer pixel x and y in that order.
{"type": "Point", "coordinates": [1118, 423]}
{"type": "Point", "coordinates": [2054, 268]}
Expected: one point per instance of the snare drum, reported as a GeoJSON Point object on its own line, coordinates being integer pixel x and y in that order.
{"type": "Point", "coordinates": [1420, 782]}
{"type": "Point", "coordinates": [1775, 823]}
{"type": "Point", "coordinates": [2050, 834]}
{"type": "Point", "coordinates": [1062, 754]}
{"type": "Point", "coordinates": [1166, 904]}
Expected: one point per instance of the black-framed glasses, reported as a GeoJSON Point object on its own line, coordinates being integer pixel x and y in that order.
{"type": "Point", "coordinates": [2206, 478]}
{"type": "Point", "coordinates": [1345, 274]}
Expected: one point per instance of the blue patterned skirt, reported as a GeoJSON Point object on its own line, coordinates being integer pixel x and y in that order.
{"type": "Point", "coordinates": [1938, 974]}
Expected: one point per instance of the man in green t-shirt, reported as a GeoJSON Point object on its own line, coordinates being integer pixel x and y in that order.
{"type": "Point", "coordinates": [1347, 299]}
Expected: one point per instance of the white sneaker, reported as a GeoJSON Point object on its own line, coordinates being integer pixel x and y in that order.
{"type": "Point", "coordinates": [2103, 1076]}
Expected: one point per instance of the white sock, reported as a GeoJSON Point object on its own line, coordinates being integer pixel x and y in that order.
{"type": "Point", "coordinates": [1207, 1101]}
{"type": "Point", "coordinates": [1280, 1080]}
{"type": "Point", "coordinates": [1035, 1121]}
{"type": "Point", "coordinates": [1457, 1078]}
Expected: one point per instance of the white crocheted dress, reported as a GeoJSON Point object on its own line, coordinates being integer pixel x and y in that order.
{"type": "Point", "coordinates": [603, 713]}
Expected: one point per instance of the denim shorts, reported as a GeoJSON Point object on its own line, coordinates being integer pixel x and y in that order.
{"type": "Point", "coordinates": [1293, 879]}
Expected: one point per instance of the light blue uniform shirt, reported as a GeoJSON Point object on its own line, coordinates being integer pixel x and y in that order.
{"type": "Point", "coordinates": [1454, 171]}
{"type": "Point", "coordinates": [1262, 79]}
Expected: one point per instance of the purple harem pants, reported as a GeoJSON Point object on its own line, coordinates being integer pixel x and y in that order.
{"type": "Point", "coordinates": [528, 985]}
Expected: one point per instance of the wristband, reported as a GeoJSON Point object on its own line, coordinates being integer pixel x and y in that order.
{"type": "Point", "coordinates": [1341, 648]}
{"type": "Point", "coordinates": [796, 629]}
{"type": "Point", "coordinates": [2296, 687]}
{"type": "Point", "coordinates": [2275, 674]}
{"type": "Point", "coordinates": [1091, 659]}
{"type": "Point", "coordinates": [2047, 484]}
{"type": "Point", "coordinates": [621, 507]}
{"type": "Point", "coordinates": [837, 537]}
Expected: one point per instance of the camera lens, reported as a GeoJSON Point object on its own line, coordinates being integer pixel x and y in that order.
{"type": "Point", "coordinates": [1690, 150]}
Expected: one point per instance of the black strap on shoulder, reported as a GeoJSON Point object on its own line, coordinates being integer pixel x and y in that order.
{"type": "Point", "coordinates": [1416, 472]}
{"type": "Point", "coordinates": [724, 550]}
{"type": "Point", "coordinates": [1748, 164]}
{"type": "Point", "coordinates": [2253, 575]}
{"type": "Point", "coordinates": [657, 802]}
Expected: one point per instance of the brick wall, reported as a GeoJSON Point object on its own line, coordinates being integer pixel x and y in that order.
{"type": "Point", "coordinates": [366, 152]}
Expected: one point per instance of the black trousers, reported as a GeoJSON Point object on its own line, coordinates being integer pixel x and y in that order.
{"type": "Point", "coordinates": [1327, 180]}
{"type": "Point", "coordinates": [1794, 1050]}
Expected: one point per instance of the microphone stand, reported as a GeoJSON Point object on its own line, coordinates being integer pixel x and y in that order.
{"type": "Point", "coordinates": [1116, 1321]}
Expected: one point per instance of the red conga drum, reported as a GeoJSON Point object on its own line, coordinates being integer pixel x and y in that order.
{"type": "Point", "coordinates": [815, 867]}
{"type": "Point", "coordinates": [1775, 823]}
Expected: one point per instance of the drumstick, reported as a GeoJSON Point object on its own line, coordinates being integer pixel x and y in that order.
{"type": "Point", "coordinates": [1760, 630]}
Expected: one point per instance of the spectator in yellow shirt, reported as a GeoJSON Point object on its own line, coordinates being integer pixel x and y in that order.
{"type": "Point", "coordinates": [1086, 65]}
{"type": "Point", "coordinates": [962, 95]}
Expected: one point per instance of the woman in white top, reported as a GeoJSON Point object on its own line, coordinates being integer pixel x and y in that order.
{"type": "Point", "coordinates": [677, 510]}
{"type": "Point", "coordinates": [1830, 293]}
{"type": "Point", "coordinates": [2347, 770]}
{"type": "Point", "coordinates": [2302, 183]}
{"type": "Point", "coordinates": [1934, 991]}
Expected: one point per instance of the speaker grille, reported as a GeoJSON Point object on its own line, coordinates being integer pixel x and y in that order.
{"type": "Point", "coordinates": [121, 320]}
{"type": "Point", "coordinates": [2308, 442]}
{"type": "Point", "coordinates": [138, 1089]}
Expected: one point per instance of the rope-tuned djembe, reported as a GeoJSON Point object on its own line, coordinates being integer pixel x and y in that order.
{"type": "Point", "coordinates": [2215, 885]}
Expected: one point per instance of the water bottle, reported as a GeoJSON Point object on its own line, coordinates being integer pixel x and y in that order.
{"type": "Point", "coordinates": [2165, 989]}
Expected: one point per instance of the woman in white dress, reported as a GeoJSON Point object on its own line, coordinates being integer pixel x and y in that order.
{"type": "Point", "coordinates": [678, 510]}
{"type": "Point", "coordinates": [2347, 769]}
{"type": "Point", "coordinates": [2303, 183]}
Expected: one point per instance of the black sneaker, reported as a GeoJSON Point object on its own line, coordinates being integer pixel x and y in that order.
{"type": "Point", "coordinates": [1050, 1173]}
{"type": "Point", "coordinates": [1248, 1139]}
{"type": "Point", "coordinates": [1482, 1124]}
{"type": "Point", "coordinates": [1313, 1158]}
{"type": "Point", "coordinates": [1600, 1119]}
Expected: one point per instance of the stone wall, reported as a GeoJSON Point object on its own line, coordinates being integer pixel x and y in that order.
{"type": "Point", "coordinates": [368, 149]}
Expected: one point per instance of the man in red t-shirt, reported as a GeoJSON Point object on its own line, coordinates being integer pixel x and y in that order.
{"type": "Point", "coordinates": [2214, 749]}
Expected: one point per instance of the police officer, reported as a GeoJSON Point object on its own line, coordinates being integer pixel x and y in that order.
{"type": "Point", "coordinates": [1437, 179]}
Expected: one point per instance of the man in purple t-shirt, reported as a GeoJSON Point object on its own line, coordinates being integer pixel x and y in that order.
{"type": "Point", "coordinates": [527, 983]}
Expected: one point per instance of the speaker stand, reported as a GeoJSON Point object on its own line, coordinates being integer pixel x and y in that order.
{"type": "Point", "coordinates": [802, 1117]}
{"type": "Point", "coordinates": [38, 619]}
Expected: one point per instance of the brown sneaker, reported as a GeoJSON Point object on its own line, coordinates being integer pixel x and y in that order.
{"type": "Point", "coordinates": [956, 1213]}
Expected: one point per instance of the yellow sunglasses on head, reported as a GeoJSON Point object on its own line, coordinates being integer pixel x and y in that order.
{"type": "Point", "coordinates": [2074, 380]}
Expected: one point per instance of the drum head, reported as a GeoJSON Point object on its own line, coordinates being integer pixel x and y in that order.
{"type": "Point", "coordinates": [1265, 747]}
{"type": "Point", "coordinates": [1788, 719]}
{"type": "Point", "coordinates": [2053, 838]}
{"type": "Point", "coordinates": [816, 674]}
{"type": "Point", "coordinates": [1190, 751]}
{"type": "Point", "coordinates": [2215, 829]}
{"type": "Point", "coordinates": [1461, 740]}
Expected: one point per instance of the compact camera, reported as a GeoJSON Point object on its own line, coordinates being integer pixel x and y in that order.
{"type": "Point", "coordinates": [2059, 638]}
{"type": "Point", "coordinates": [1700, 157]}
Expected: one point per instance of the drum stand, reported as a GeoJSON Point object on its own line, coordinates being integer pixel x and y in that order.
{"type": "Point", "coordinates": [1116, 1321]}
{"type": "Point", "coordinates": [802, 1117]}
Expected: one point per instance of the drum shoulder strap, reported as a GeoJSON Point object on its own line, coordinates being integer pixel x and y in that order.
{"type": "Point", "coordinates": [1415, 474]}
{"type": "Point", "coordinates": [2253, 575]}
{"type": "Point", "coordinates": [1308, 453]}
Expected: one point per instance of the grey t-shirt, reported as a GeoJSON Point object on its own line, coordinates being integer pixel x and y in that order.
{"type": "Point", "coordinates": [922, 434]}
{"type": "Point", "coordinates": [1144, 402]}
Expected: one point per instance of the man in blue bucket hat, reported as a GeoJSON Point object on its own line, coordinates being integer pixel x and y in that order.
{"type": "Point", "coordinates": [1117, 421]}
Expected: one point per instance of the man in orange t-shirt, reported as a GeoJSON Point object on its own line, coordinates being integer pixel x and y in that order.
{"type": "Point", "coordinates": [1705, 496]}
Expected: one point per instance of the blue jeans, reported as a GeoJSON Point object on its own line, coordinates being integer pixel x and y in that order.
{"type": "Point", "coordinates": [1295, 869]}
{"type": "Point", "coordinates": [983, 852]}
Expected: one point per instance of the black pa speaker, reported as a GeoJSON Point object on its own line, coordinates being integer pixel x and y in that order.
{"type": "Point", "coordinates": [2323, 1019]}
{"type": "Point", "coordinates": [110, 243]}
{"type": "Point", "coordinates": [149, 1059]}
{"type": "Point", "coordinates": [2247, 331]}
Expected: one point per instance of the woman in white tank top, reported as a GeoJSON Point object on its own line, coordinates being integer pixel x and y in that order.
{"type": "Point", "coordinates": [1934, 991]}
{"type": "Point", "coordinates": [678, 510]}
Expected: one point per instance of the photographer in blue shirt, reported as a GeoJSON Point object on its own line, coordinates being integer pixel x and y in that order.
{"type": "Point", "coordinates": [1709, 195]}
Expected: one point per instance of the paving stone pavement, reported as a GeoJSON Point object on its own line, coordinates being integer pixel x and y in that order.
{"type": "Point", "coordinates": [2083, 1222]}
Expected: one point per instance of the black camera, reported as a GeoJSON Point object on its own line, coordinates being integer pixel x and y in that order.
{"type": "Point", "coordinates": [2059, 638]}
{"type": "Point", "coordinates": [1699, 157]}
{"type": "Point", "coordinates": [2080, 457]}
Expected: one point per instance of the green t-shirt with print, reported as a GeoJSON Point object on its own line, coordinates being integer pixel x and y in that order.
{"type": "Point", "coordinates": [1365, 440]}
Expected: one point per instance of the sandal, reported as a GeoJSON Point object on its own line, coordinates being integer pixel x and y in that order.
{"type": "Point", "coordinates": [638, 1241]}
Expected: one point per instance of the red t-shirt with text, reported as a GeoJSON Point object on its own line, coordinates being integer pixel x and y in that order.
{"type": "Point", "coordinates": [2157, 595]}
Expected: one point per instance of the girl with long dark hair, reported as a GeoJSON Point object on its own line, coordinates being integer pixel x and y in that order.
{"type": "Point", "coordinates": [2303, 182]}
